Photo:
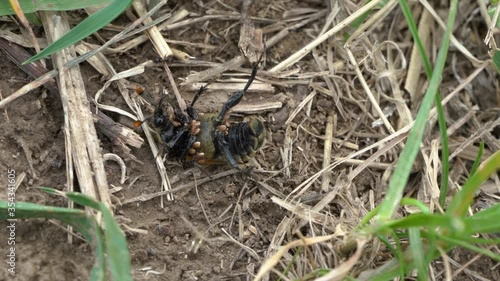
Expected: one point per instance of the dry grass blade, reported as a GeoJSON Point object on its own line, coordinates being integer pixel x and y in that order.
{"type": "Point", "coordinates": [403, 131]}
{"type": "Point", "coordinates": [231, 87]}
{"type": "Point", "coordinates": [304, 212]}
{"type": "Point", "coordinates": [247, 249]}
{"type": "Point", "coordinates": [480, 132]}
{"type": "Point", "coordinates": [214, 71]}
{"type": "Point", "coordinates": [453, 39]}
{"type": "Point", "coordinates": [341, 271]}
{"type": "Point", "coordinates": [165, 187]}
{"type": "Point", "coordinates": [29, 87]}
{"type": "Point", "coordinates": [121, 163]}
{"type": "Point", "coordinates": [415, 66]}
{"type": "Point", "coordinates": [18, 55]}
{"type": "Point", "coordinates": [250, 43]}
{"type": "Point", "coordinates": [154, 34]}
{"type": "Point", "coordinates": [327, 152]}
{"type": "Point", "coordinates": [270, 263]}
{"type": "Point", "coordinates": [333, 122]}
{"type": "Point", "coordinates": [303, 103]}
{"type": "Point", "coordinates": [144, 37]}
{"type": "Point", "coordinates": [85, 145]}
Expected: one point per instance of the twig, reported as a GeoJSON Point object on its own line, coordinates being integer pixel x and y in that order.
{"type": "Point", "coordinates": [180, 101]}
{"type": "Point", "coordinates": [231, 87]}
{"type": "Point", "coordinates": [85, 145]}
{"type": "Point", "coordinates": [214, 71]}
{"type": "Point", "coordinates": [153, 32]}
{"type": "Point", "coordinates": [327, 151]}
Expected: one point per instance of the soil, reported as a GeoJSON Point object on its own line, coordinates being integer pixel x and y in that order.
{"type": "Point", "coordinates": [32, 125]}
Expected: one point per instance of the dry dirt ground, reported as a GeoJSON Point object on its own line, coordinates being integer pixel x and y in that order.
{"type": "Point", "coordinates": [239, 204]}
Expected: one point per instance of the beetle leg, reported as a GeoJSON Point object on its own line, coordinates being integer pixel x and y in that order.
{"type": "Point", "coordinates": [236, 97]}
{"type": "Point", "coordinates": [224, 149]}
{"type": "Point", "coordinates": [191, 111]}
{"type": "Point", "coordinates": [192, 140]}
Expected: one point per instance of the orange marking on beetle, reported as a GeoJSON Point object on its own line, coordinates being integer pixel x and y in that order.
{"type": "Point", "coordinates": [137, 123]}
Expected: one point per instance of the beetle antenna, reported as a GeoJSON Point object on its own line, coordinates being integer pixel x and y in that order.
{"type": "Point", "coordinates": [200, 91]}
{"type": "Point", "coordinates": [140, 92]}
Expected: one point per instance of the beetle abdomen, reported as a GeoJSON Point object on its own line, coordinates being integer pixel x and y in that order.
{"type": "Point", "coordinates": [244, 139]}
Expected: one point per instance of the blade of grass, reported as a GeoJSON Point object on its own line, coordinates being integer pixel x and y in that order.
{"type": "Point", "coordinates": [414, 202]}
{"type": "Point", "coordinates": [417, 252]}
{"type": "Point", "coordinates": [80, 221]}
{"type": "Point", "coordinates": [400, 178]}
{"type": "Point", "coordinates": [113, 248]}
{"type": "Point", "coordinates": [461, 202]}
{"type": "Point", "coordinates": [440, 110]}
{"type": "Point", "coordinates": [116, 244]}
{"type": "Point", "coordinates": [421, 220]}
{"type": "Point", "coordinates": [116, 248]}
{"type": "Point", "coordinates": [477, 161]}
{"type": "Point", "coordinates": [469, 246]}
{"type": "Point", "coordinates": [30, 6]}
{"type": "Point", "coordinates": [397, 252]}
{"type": "Point", "coordinates": [90, 25]}
{"type": "Point", "coordinates": [493, 211]}
{"type": "Point", "coordinates": [496, 60]}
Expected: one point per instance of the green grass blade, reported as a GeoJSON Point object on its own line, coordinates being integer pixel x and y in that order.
{"type": "Point", "coordinates": [76, 218]}
{"type": "Point", "coordinates": [492, 211]}
{"type": "Point", "coordinates": [461, 202]}
{"type": "Point", "coordinates": [116, 245]}
{"type": "Point", "coordinates": [414, 202]}
{"type": "Point", "coordinates": [485, 221]}
{"type": "Point", "coordinates": [418, 254]}
{"type": "Point", "coordinates": [400, 178]}
{"type": "Point", "coordinates": [80, 221]}
{"type": "Point", "coordinates": [496, 60]}
{"type": "Point", "coordinates": [477, 161]}
{"type": "Point", "coordinates": [116, 248]}
{"type": "Point", "coordinates": [30, 6]}
{"type": "Point", "coordinates": [90, 25]}
{"type": "Point", "coordinates": [84, 200]}
{"type": "Point", "coordinates": [421, 220]}
{"type": "Point", "coordinates": [397, 252]}
{"type": "Point", "coordinates": [469, 246]}
{"type": "Point", "coordinates": [440, 110]}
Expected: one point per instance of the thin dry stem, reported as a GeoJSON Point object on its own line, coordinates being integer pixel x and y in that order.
{"type": "Point", "coordinates": [85, 145]}
{"type": "Point", "coordinates": [154, 34]}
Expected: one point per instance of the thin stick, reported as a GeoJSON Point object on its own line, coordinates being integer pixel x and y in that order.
{"type": "Point", "coordinates": [85, 144]}
{"type": "Point", "coordinates": [153, 32]}
{"type": "Point", "coordinates": [369, 93]}
{"type": "Point", "coordinates": [180, 101]}
{"type": "Point", "coordinates": [327, 151]}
